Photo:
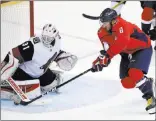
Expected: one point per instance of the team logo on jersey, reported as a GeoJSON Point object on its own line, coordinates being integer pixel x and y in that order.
{"type": "Point", "coordinates": [36, 40]}
{"type": "Point", "coordinates": [121, 29]}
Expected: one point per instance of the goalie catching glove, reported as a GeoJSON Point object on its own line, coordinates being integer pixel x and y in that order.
{"type": "Point", "coordinates": [66, 61]}
{"type": "Point", "coordinates": [102, 60]}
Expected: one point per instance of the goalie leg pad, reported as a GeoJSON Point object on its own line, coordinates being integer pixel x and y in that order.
{"type": "Point", "coordinates": [30, 87]}
{"type": "Point", "coordinates": [8, 66]}
{"type": "Point", "coordinates": [7, 93]}
{"type": "Point", "coordinates": [50, 80]}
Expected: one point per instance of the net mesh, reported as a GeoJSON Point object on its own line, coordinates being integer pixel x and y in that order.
{"type": "Point", "coordinates": [15, 25]}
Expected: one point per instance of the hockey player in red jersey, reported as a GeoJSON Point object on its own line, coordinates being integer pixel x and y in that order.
{"type": "Point", "coordinates": [28, 64]}
{"type": "Point", "coordinates": [121, 37]}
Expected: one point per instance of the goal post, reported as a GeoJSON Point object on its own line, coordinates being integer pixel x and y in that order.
{"type": "Point", "coordinates": [17, 23]}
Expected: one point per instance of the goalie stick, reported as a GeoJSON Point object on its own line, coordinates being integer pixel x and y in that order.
{"type": "Point", "coordinates": [15, 87]}
{"type": "Point", "coordinates": [52, 90]}
{"type": "Point", "coordinates": [18, 90]}
{"type": "Point", "coordinates": [97, 17]}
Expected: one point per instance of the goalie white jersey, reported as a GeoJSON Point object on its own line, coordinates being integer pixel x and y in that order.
{"type": "Point", "coordinates": [37, 57]}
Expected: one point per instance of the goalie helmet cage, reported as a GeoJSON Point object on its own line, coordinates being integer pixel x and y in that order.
{"type": "Point", "coordinates": [17, 23]}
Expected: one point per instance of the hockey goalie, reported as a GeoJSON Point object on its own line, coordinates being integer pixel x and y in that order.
{"type": "Point", "coordinates": [28, 65]}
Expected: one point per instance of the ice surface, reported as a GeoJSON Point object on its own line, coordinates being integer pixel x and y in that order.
{"type": "Point", "coordinates": [92, 96]}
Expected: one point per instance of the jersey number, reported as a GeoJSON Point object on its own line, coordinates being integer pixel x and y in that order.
{"type": "Point", "coordinates": [25, 45]}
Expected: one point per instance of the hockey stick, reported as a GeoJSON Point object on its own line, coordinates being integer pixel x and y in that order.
{"type": "Point", "coordinates": [18, 90]}
{"type": "Point", "coordinates": [52, 90]}
{"type": "Point", "coordinates": [90, 17]}
{"type": "Point", "coordinates": [97, 17]}
{"type": "Point", "coordinates": [15, 87]}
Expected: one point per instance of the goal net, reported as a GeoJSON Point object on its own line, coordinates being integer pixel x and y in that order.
{"type": "Point", "coordinates": [17, 24]}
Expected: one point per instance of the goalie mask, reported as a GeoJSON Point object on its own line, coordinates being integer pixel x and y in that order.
{"type": "Point", "coordinates": [49, 35]}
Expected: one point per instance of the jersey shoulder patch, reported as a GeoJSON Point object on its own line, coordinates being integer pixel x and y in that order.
{"type": "Point", "coordinates": [26, 50]}
{"type": "Point", "coordinates": [36, 40]}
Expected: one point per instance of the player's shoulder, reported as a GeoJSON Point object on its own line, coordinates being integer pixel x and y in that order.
{"type": "Point", "coordinates": [26, 50]}
{"type": "Point", "coordinates": [29, 44]}
{"type": "Point", "coordinates": [120, 25]}
{"type": "Point", "coordinates": [102, 32]}
{"type": "Point", "coordinates": [120, 22]}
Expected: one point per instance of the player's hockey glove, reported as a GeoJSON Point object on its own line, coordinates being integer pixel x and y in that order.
{"type": "Point", "coordinates": [102, 60]}
{"type": "Point", "coordinates": [152, 34]}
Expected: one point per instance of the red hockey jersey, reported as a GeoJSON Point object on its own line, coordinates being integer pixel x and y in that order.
{"type": "Point", "coordinates": [124, 37]}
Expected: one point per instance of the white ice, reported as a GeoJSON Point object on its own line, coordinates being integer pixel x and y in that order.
{"type": "Point", "coordinates": [94, 95]}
